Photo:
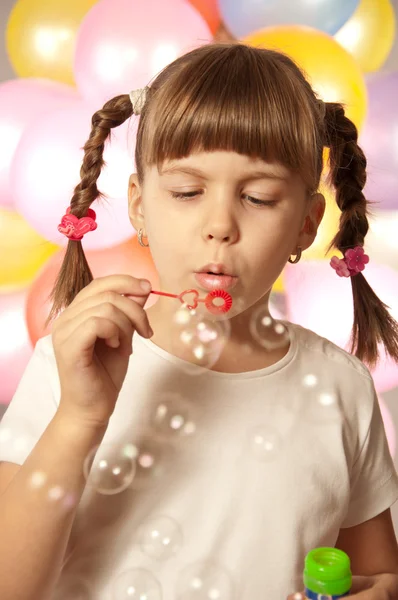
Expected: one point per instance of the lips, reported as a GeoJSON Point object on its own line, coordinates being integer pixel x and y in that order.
{"type": "Point", "coordinates": [212, 282]}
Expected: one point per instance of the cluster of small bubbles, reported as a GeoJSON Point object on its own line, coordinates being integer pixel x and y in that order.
{"type": "Point", "coordinates": [55, 493]}
{"type": "Point", "coordinates": [174, 416]}
{"type": "Point", "coordinates": [204, 581]}
{"type": "Point", "coordinates": [198, 338]}
{"type": "Point", "coordinates": [268, 332]}
{"type": "Point", "coordinates": [110, 469]}
{"type": "Point", "coordinates": [264, 443]}
{"type": "Point", "coordinates": [136, 584]}
{"type": "Point", "coordinates": [160, 537]}
{"type": "Point", "coordinates": [151, 461]}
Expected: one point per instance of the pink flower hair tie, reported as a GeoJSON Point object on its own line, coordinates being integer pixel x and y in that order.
{"type": "Point", "coordinates": [354, 262]}
{"type": "Point", "coordinates": [75, 228]}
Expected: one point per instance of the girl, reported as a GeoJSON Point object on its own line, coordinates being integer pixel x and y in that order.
{"type": "Point", "coordinates": [211, 483]}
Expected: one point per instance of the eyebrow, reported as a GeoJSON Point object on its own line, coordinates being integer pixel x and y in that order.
{"type": "Point", "coordinates": [268, 174]}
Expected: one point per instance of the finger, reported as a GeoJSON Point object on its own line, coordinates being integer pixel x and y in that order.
{"type": "Point", "coordinates": [296, 596]}
{"type": "Point", "coordinates": [133, 309]}
{"type": "Point", "coordinates": [121, 284]}
{"type": "Point", "coordinates": [93, 329]}
{"type": "Point", "coordinates": [78, 332]}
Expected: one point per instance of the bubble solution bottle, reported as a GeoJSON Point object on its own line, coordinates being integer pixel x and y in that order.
{"type": "Point", "coordinates": [327, 574]}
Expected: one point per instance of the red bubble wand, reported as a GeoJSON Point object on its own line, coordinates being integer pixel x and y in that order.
{"type": "Point", "coordinates": [208, 300]}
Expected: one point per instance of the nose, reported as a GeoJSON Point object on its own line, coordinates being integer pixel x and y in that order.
{"type": "Point", "coordinates": [220, 223]}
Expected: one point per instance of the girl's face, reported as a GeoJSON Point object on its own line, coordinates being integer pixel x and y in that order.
{"type": "Point", "coordinates": [223, 207]}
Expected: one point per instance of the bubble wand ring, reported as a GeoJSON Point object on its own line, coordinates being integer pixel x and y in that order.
{"type": "Point", "coordinates": [208, 300]}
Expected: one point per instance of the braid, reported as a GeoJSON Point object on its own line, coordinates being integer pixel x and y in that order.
{"type": "Point", "coordinates": [75, 272]}
{"type": "Point", "coordinates": [373, 324]}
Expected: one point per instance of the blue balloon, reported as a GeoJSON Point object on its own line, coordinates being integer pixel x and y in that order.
{"type": "Point", "coordinates": [243, 17]}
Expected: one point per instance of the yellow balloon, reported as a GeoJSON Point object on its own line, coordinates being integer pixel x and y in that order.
{"type": "Point", "coordinates": [369, 34]}
{"type": "Point", "coordinates": [331, 70]}
{"type": "Point", "coordinates": [22, 251]}
{"type": "Point", "coordinates": [40, 37]}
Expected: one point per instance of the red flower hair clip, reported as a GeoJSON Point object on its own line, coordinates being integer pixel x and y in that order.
{"type": "Point", "coordinates": [354, 262]}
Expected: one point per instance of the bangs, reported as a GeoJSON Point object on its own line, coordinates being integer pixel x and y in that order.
{"type": "Point", "coordinates": [234, 98]}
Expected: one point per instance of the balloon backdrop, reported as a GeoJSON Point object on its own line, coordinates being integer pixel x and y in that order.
{"type": "Point", "coordinates": [332, 71]}
{"type": "Point", "coordinates": [23, 101]}
{"type": "Point", "coordinates": [122, 44]}
{"type": "Point", "coordinates": [379, 141]}
{"type": "Point", "coordinates": [129, 258]}
{"type": "Point", "coordinates": [369, 34]}
{"type": "Point", "coordinates": [318, 299]}
{"type": "Point", "coordinates": [244, 16]}
{"type": "Point", "coordinates": [15, 346]}
{"type": "Point", "coordinates": [41, 37]}
{"type": "Point", "coordinates": [22, 250]}
{"type": "Point", "coordinates": [209, 11]}
{"type": "Point", "coordinates": [47, 164]}
{"type": "Point", "coordinates": [381, 241]}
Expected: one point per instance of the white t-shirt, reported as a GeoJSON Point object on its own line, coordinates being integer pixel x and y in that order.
{"type": "Point", "coordinates": [239, 475]}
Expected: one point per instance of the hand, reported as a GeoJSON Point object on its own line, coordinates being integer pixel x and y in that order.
{"type": "Point", "coordinates": [92, 341]}
{"type": "Point", "coordinates": [377, 587]}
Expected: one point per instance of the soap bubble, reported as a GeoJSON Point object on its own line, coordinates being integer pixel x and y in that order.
{"type": "Point", "coordinates": [198, 339]}
{"type": "Point", "coordinates": [136, 584]}
{"type": "Point", "coordinates": [160, 537]}
{"type": "Point", "coordinates": [264, 442]}
{"type": "Point", "coordinates": [110, 468]}
{"type": "Point", "coordinates": [204, 581]}
{"type": "Point", "coordinates": [268, 332]}
{"type": "Point", "coordinates": [174, 416]}
{"type": "Point", "coordinates": [152, 461]}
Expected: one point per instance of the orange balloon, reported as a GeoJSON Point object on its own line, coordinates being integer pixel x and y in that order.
{"type": "Point", "coordinates": [331, 70]}
{"type": "Point", "coordinates": [209, 11]}
{"type": "Point", "coordinates": [128, 258]}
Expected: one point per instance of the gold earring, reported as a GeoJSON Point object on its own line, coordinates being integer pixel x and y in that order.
{"type": "Point", "coordinates": [140, 232]}
{"type": "Point", "coordinates": [298, 256]}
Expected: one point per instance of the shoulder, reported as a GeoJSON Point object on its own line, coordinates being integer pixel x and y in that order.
{"type": "Point", "coordinates": [322, 352]}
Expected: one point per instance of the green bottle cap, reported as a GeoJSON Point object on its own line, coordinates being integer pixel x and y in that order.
{"type": "Point", "coordinates": [327, 571]}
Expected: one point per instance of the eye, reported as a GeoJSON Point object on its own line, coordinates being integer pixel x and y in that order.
{"type": "Point", "coordinates": [185, 195]}
{"type": "Point", "coordinates": [258, 202]}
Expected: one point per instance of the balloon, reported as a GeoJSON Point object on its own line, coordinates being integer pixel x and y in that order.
{"type": "Point", "coordinates": [332, 71]}
{"type": "Point", "coordinates": [22, 250]}
{"type": "Point", "coordinates": [369, 34]}
{"type": "Point", "coordinates": [122, 44]}
{"type": "Point", "coordinates": [128, 258]}
{"type": "Point", "coordinates": [15, 346]}
{"type": "Point", "coordinates": [244, 16]}
{"type": "Point", "coordinates": [41, 37]}
{"type": "Point", "coordinates": [209, 11]}
{"type": "Point", "coordinates": [388, 426]}
{"type": "Point", "coordinates": [318, 299]}
{"type": "Point", "coordinates": [47, 165]}
{"type": "Point", "coordinates": [381, 240]}
{"type": "Point", "coordinates": [379, 141]}
{"type": "Point", "coordinates": [22, 101]}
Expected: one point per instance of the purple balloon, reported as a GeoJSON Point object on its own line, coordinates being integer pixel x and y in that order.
{"type": "Point", "coordinates": [379, 141]}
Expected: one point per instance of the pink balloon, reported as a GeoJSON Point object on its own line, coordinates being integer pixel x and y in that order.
{"type": "Point", "coordinates": [321, 301]}
{"type": "Point", "coordinates": [388, 426]}
{"type": "Point", "coordinates": [22, 101]}
{"type": "Point", "coordinates": [46, 169]}
{"type": "Point", "coordinates": [123, 44]}
{"type": "Point", "coordinates": [15, 346]}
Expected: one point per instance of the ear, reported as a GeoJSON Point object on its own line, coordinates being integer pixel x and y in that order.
{"type": "Point", "coordinates": [314, 216]}
{"type": "Point", "coordinates": [136, 209]}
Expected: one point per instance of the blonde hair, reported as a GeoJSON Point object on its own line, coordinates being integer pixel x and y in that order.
{"type": "Point", "coordinates": [256, 102]}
